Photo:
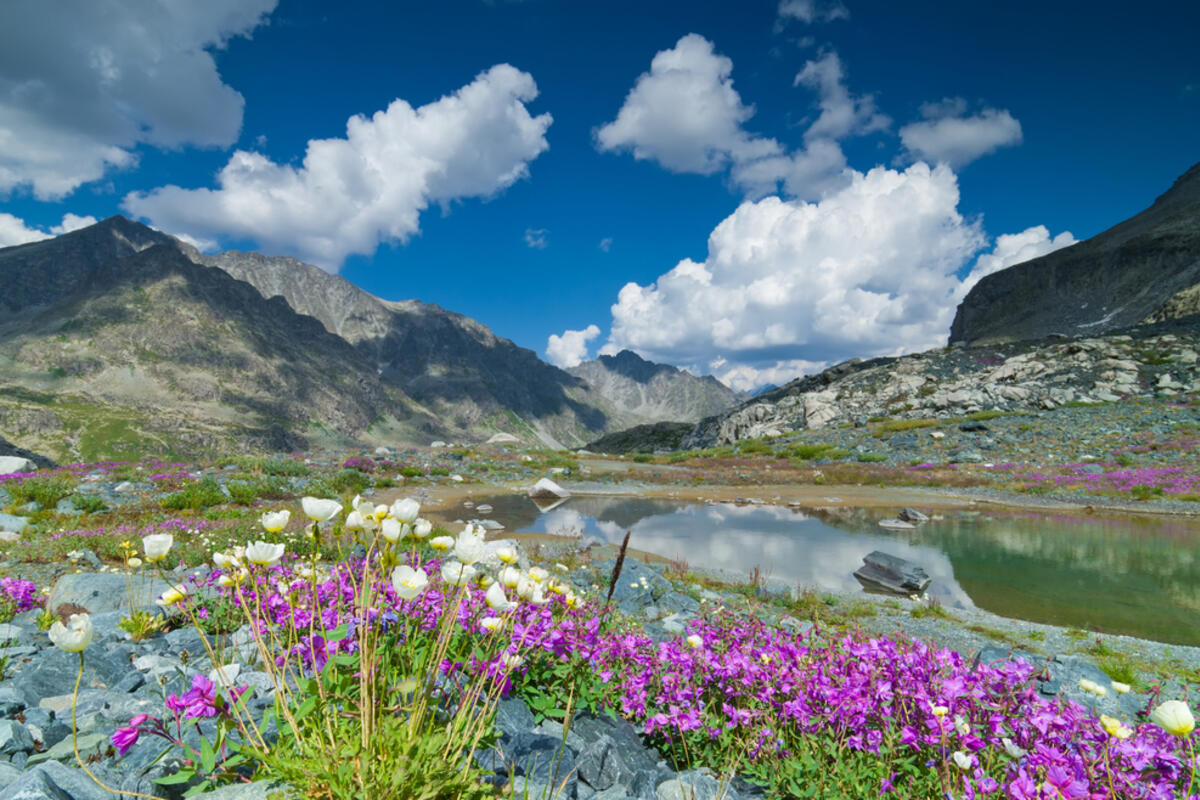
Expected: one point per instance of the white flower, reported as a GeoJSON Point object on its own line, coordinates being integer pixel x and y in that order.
{"type": "Point", "coordinates": [157, 546]}
{"type": "Point", "coordinates": [507, 555]}
{"type": "Point", "coordinates": [172, 596]}
{"type": "Point", "coordinates": [457, 574]}
{"type": "Point", "coordinates": [75, 636]}
{"type": "Point", "coordinates": [538, 574]}
{"type": "Point", "coordinates": [391, 530]}
{"type": "Point", "coordinates": [320, 510]}
{"type": "Point", "coordinates": [469, 547]}
{"type": "Point", "coordinates": [422, 528]}
{"type": "Point", "coordinates": [491, 624]}
{"type": "Point", "coordinates": [527, 587]}
{"type": "Point", "coordinates": [364, 507]}
{"type": "Point", "coordinates": [1093, 687]}
{"type": "Point", "coordinates": [1012, 748]}
{"type": "Point", "coordinates": [940, 711]}
{"type": "Point", "coordinates": [511, 661]}
{"type": "Point", "coordinates": [275, 521]}
{"type": "Point", "coordinates": [225, 560]}
{"type": "Point", "coordinates": [264, 554]}
{"type": "Point", "coordinates": [134, 562]}
{"type": "Point", "coordinates": [961, 760]}
{"type": "Point", "coordinates": [510, 577]}
{"type": "Point", "coordinates": [408, 582]}
{"type": "Point", "coordinates": [695, 641]}
{"type": "Point", "coordinates": [961, 725]}
{"type": "Point", "coordinates": [1121, 688]}
{"type": "Point", "coordinates": [441, 543]}
{"type": "Point", "coordinates": [405, 510]}
{"type": "Point", "coordinates": [497, 600]}
{"type": "Point", "coordinates": [1174, 717]}
{"type": "Point", "coordinates": [355, 521]}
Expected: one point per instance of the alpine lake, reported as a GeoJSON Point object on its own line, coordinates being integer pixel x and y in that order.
{"type": "Point", "coordinates": [1136, 576]}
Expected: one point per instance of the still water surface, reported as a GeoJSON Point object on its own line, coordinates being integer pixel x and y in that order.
{"type": "Point", "coordinates": [1139, 577]}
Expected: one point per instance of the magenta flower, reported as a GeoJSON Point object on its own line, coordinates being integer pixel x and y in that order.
{"type": "Point", "coordinates": [125, 738]}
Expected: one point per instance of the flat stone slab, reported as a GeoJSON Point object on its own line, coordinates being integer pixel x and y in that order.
{"type": "Point", "coordinates": [107, 591]}
{"type": "Point", "coordinates": [892, 573]}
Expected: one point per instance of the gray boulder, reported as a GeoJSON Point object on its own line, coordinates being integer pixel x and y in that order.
{"type": "Point", "coordinates": [892, 573]}
{"type": "Point", "coordinates": [54, 781]}
{"type": "Point", "coordinates": [107, 591]}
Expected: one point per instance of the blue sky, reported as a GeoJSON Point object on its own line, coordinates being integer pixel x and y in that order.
{"type": "Point", "coordinates": [804, 137]}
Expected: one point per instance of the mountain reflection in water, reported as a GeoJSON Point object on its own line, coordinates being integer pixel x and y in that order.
{"type": "Point", "coordinates": [1118, 575]}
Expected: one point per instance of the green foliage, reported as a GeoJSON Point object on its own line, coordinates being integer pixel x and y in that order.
{"type": "Point", "coordinates": [412, 472]}
{"type": "Point", "coordinates": [141, 625]}
{"type": "Point", "coordinates": [754, 447]}
{"type": "Point", "coordinates": [8, 610]}
{"type": "Point", "coordinates": [384, 483]}
{"type": "Point", "coordinates": [871, 458]}
{"type": "Point", "coordinates": [439, 471]}
{"type": "Point", "coordinates": [88, 503]}
{"type": "Point", "coordinates": [806, 452]}
{"type": "Point", "coordinates": [45, 490]}
{"type": "Point", "coordinates": [350, 481]}
{"type": "Point", "coordinates": [247, 492]}
{"type": "Point", "coordinates": [643, 458]}
{"type": "Point", "coordinates": [203, 493]}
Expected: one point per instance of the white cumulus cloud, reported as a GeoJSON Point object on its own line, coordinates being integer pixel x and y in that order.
{"type": "Point", "coordinates": [351, 194]}
{"type": "Point", "coordinates": [685, 115]}
{"type": "Point", "coordinates": [569, 349]}
{"type": "Point", "coordinates": [14, 231]}
{"type": "Point", "coordinates": [790, 286]}
{"type": "Point", "coordinates": [1017, 248]}
{"type": "Point", "coordinates": [947, 135]}
{"type": "Point", "coordinates": [83, 84]}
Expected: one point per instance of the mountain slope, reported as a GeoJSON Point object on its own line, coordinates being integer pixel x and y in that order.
{"type": "Point", "coordinates": [126, 346]}
{"type": "Point", "coordinates": [655, 392]}
{"type": "Point", "coordinates": [1144, 269]}
{"type": "Point", "coordinates": [456, 366]}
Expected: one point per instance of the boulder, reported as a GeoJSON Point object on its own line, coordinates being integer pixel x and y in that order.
{"type": "Point", "coordinates": [11, 464]}
{"type": "Point", "coordinates": [546, 489]}
{"type": "Point", "coordinates": [892, 573]}
{"type": "Point", "coordinates": [503, 438]}
{"type": "Point", "coordinates": [54, 781]}
{"type": "Point", "coordinates": [912, 515]}
{"type": "Point", "coordinates": [12, 523]}
{"type": "Point", "coordinates": [896, 525]}
{"type": "Point", "coordinates": [106, 591]}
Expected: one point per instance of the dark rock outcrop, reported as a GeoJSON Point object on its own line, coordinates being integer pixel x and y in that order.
{"type": "Point", "coordinates": [1144, 269]}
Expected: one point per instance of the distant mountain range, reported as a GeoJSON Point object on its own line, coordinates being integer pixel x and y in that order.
{"type": "Point", "coordinates": [117, 340]}
{"type": "Point", "coordinates": [1146, 269]}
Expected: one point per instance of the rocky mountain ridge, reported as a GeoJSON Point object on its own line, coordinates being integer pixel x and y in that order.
{"type": "Point", "coordinates": [656, 392]}
{"type": "Point", "coordinates": [118, 331]}
{"type": "Point", "coordinates": [1145, 269]}
{"type": "Point", "coordinates": [1146, 361]}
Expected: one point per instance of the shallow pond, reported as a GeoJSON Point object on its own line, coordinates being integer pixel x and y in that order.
{"type": "Point", "coordinates": [1138, 576]}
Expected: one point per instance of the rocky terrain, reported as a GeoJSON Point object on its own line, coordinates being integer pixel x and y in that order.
{"type": "Point", "coordinates": [118, 340]}
{"type": "Point", "coordinates": [655, 392]}
{"type": "Point", "coordinates": [1144, 269]}
{"type": "Point", "coordinates": [1145, 362]}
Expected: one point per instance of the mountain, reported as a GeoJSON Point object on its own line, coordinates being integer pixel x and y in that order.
{"type": "Point", "coordinates": [910, 392]}
{"type": "Point", "coordinates": [456, 367]}
{"type": "Point", "coordinates": [655, 392]}
{"type": "Point", "coordinates": [117, 336]}
{"type": "Point", "coordinates": [1146, 269]}
{"type": "Point", "coordinates": [113, 343]}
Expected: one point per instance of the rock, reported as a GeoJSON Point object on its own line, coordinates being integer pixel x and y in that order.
{"type": "Point", "coordinates": [107, 591]}
{"type": "Point", "coordinates": [503, 438]}
{"type": "Point", "coordinates": [12, 523]}
{"type": "Point", "coordinates": [548, 490]}
{"type": "Point", "coordinates": [690, 785]}
{"type": "Point", "coordinates": [12, 701]}
{"type": "Point", "coordinates": [54, 781]}
{"type": "Point", "coordinates": [14, 737]}
{"type": "Point", "coordinates": [972, 426]}
{"type": "Point", "coordinates": [258, 790]}
{"type": "Point", "coordinates": [896, 525]}
{"type": "Point", "coordinates": [13, 464]}
{"type": "Point", "coordinates": [912, 515]}
{"type": "Point", "coordinates": [892, 573]}
{"type": "Point", "coordinates": [90, 744]}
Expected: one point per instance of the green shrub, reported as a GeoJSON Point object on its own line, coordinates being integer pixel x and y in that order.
{"type": "Point", "coordinates": [871, 458]}
{"type": "Point", "coordinates": [806, 452]}
{"type": "Point", "coordinates": [412, 472]}
{"type": "Point", "coordinates": [88, 503]}
{"type": "Point", "coordinates": [45, 490]}
{"type": "Point", "coordinates": [350, 481]}
{"type": "Point", "coordinates": [203, 493]}
{"type": "Point", "coordinates": [439, 471]}
{"type": "Point", "coordinates": [643, 458]}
